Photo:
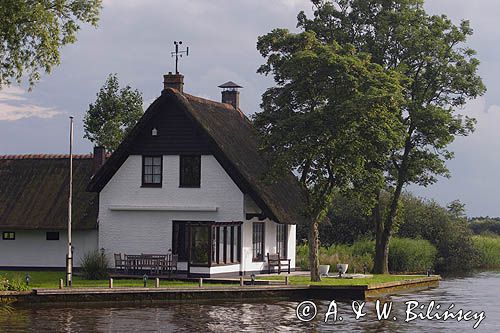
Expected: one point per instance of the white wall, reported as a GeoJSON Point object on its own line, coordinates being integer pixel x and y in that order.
{"type": "Point", "coordinates": [269, 244]}
{"type": "Point", "coordinates": [30, 248]}
{"type": "Point", "coordinates": [149, 231]}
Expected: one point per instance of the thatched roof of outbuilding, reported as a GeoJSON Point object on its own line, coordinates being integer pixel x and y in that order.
{"type": "Point", "coordinates": [34, 192]}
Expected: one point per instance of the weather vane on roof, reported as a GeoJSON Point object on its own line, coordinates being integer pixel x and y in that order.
{"type": "Point", "coordinates": [178, 54]}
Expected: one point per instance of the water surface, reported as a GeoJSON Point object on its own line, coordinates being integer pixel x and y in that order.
{"type": "Point", "coordinates": [478, 292]}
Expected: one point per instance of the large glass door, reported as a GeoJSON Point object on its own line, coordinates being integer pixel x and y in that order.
{"type": "Point", "coordinates": [200, 245]}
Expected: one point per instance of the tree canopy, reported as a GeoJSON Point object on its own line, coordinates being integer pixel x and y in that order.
{"type": "Point", "coordinates": [33, 32]}
{"type": "Point", "coordinates": [332, 117]}
{"type": "Point", "coordinates": [113, 114]}
{"type": "Point", "coordinates": [439, 75]}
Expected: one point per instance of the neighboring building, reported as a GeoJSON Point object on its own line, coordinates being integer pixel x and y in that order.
{"type": "Point", "coordinates": [34, 210]}
{"type": "Point", "coordinates": [187, 178]}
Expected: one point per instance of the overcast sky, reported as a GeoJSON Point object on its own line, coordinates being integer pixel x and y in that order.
{"type": "Point", "coordinates": [134, 39]}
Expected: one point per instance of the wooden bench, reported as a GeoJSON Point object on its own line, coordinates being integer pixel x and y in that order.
{"type": "Point", "coordinates": [274, 260]}
{"type": "Point", "coordinates": [154, 263]}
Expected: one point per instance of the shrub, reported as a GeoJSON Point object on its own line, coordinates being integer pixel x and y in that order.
{"type": "Point", "coordinates": [95, 265]}
{"type": "Point", "coordinates": [411, 255]}
{"type": "Point", "coordinates": [13, 284]}
{"type": "Point", "coordinates": [446, 230]}
{"type": "Point", "coordinates": [488, 249]}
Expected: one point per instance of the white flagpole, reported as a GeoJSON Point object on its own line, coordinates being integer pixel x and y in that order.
{"type": "Point", "coordinates": [69, 258]}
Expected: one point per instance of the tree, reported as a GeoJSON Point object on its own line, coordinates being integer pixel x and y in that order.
{"type": "Point", "coordinates": [32, 33]}
{"type": "Point", "coordinates": [440, 75]}
{"type": "Point", "coordinates": [332, 117]}
{"type": "Point", "coordinates": [113, 114]}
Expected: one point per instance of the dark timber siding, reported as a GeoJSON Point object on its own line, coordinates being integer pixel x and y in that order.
{"type": "Point", "coordinates": [176, 135]}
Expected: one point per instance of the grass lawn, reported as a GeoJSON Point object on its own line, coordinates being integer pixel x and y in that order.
{"type": "Point", "coordinates": [49, 279]}
{"type": "Point", "coordinates": [306, 280]}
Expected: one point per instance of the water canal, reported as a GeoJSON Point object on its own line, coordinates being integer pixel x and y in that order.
{"type": "Point", "coordinates": [478, 292]}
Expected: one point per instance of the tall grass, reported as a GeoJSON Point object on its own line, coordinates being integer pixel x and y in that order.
{"type": "Point", "coordinates": [488, 248]}
{"type": "Point", "coordinates": [411, 255]}
{"type": "Point", "coordinates": [405, 255]}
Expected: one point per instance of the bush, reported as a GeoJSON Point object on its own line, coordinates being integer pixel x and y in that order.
{"type": "Point", "coordinates": [411, 255]}
{"type": "Point", "coordinates": [488, 249]}
{"type": "Point", "coordinates": [95, 266]}
{"type": "Point", "coordinates": [446, 230]}
{"type": "Point", "coordinates": [13, 284]}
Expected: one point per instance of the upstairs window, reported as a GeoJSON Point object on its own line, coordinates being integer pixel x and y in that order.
{"type": "Point", "coordinates": [151, 171]}
{"type": "Point", "coordinates": [52, 235]}
{"type": "Point", "coordinates": [8, 235]}
{"type": "Point", "coordinates": [190, 171]}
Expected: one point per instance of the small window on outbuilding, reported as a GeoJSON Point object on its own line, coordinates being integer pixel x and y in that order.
{"type": "Point", "coordinates": [52, 235]}
{"type": "Point", "coordinates": [8, 235]}
{"type": "Point", "coordinates": [190, 171]}
{"type": "Point", "coordinates": [151, 171]}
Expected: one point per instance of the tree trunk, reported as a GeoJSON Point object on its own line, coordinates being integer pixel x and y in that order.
{"type": "Point", "coordinates": [381, 243]}
{"type": "Point", "coordinates": [314, 251]}
{"type": "Point", "coordinates": [384, 224]}
{"type": "Point", "coordinates": [381, 264]}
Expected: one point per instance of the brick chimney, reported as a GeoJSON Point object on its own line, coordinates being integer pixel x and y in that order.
{"type": "Point", "coordinates": [175, 81]}
{"type": "Point", "coordinates": [99, 159]}
{"type": "Point", "coordinates": [230, 94]}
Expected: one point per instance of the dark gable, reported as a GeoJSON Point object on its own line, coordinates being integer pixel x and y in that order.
{"type": "Point", "coordinates": [188, 124]}
{"type": "Point", "coordinates": [34, 192]}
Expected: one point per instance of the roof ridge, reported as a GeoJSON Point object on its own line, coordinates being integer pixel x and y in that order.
{"type": "Point", "coordinates": [226, 106]}
{"type": "Point", "coordinates": [44, 156]}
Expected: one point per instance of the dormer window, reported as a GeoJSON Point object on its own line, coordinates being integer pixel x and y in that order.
{"type": "Point", "coordinates": [190, 171]}
{"type": "Point", "coordinates": [151, 171]}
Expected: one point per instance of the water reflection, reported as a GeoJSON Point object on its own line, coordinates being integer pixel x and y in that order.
{"type": "Point", "coordinates": [477, 293]}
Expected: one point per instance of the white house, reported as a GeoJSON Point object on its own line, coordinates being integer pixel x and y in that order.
{"type": "Point", "coordinates": [188, 178]}
{"type": "Point", "coordinates": [34, 210]}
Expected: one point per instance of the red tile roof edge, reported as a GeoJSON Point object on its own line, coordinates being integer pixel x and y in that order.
{"type": "Point", "coordinates": [44, 156]}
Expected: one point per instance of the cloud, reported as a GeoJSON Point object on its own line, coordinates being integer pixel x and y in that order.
{"type": "Point", "coordinates": [14, 106]}
{"type": "Point", "coordinates": [475, 165]}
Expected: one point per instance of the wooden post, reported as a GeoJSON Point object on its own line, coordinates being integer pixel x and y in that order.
{"type": "Point", "coordinates": [157, 283]}
{"type": "Point", "coordinates": [110, 283]}
{"type": "Point", "coordinates": [69, 256]}
{"type": "Point", "coordinates": [286, 281]}
{"type": "Point", "coordinates": [200, 282]}
{"type": "Point", "coordinates": [61, 283]}
{"type": "Point", "coordinates": [242, 283]}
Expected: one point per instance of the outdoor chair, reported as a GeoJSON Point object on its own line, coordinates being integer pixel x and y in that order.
{"type": "Point", "coordinates": [119, 262]}
{"type": "Point", "coordinates": [274, 260]}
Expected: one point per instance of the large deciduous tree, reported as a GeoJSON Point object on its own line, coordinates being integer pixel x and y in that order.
{"type": "Point", "coordinates": [332, 119]}
{"type": "Point", "coordinates": [113, 114]}
{"type": "Point", "coordinates": [440, 75]}
{"type": "Point", "coordinates": [32, 33]}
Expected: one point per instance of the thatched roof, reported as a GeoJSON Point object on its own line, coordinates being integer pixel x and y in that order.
{"type": "Point", "coordinates": [234, 144]}
{"type": "Point", "coordinates": [34, 192]}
